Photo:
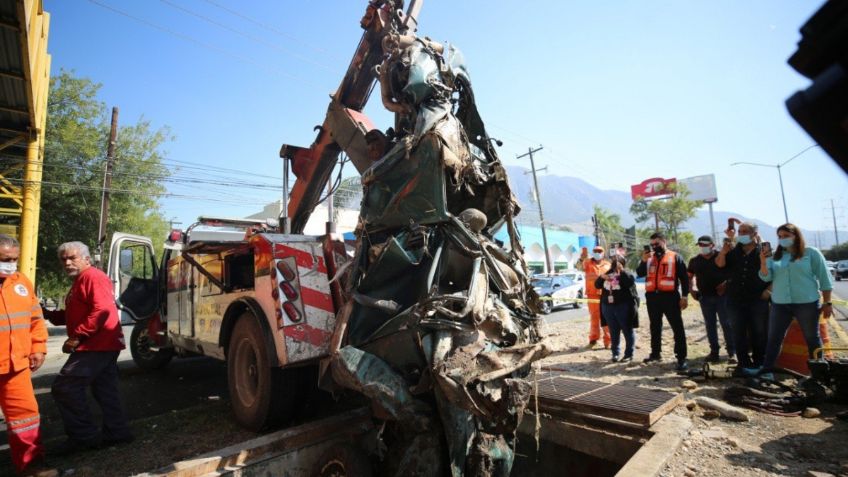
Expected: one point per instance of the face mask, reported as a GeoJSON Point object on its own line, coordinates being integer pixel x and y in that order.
{"type": "Point", "coordinates": [705, 250]}
{"type": "Point", "coordinates": [745, 239]}
{"type": "Point", "coordinates": [786, 242]}
{"type": "Point", "coordinates": [659, 249]}
{"type": "Point", "coordinates": [597, 255]}
{"type": "Point", "coordinates": [8, 268]}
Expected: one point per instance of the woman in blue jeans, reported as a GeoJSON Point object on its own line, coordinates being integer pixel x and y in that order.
{"type": "Point", "coordinates": [618, 307]}
{"type": "Point", "coordinates": [798, 273]}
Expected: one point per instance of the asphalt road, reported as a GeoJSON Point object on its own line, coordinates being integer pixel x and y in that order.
{"type": "Point", "coordinates": [183, 383]}
{"type": "Point", "coordinates": [567, 313]}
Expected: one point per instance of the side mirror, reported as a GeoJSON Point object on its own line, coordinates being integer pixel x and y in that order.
{"type": "Point", "coordinates": [126, 261]}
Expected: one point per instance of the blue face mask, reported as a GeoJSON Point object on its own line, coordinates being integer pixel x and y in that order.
{"type": "Point", "coordinates": [705, 250]}
{"type": "Point", "coordinates": [786, 242]}
{"type": "Point", "coordinates": [745, 239]}
{"type": "Point", "coordinates": [597, 255]}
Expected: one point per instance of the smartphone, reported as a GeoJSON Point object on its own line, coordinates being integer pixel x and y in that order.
{"type": "Point", "coordinates": [646, 248]}
{"type": "Point", "coordinates": [767, 248]}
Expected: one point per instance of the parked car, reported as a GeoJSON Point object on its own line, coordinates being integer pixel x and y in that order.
{"type": "Point", "coordinates": [576, 276]}
{"type": "Point", "coordinates": [831, 268]}
{"type": "Point", "coordinates": [841, 270]}
{"type": "Point", "coordinates": [559, 288]}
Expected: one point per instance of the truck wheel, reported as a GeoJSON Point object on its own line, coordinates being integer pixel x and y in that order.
{"type": "Point", "coordinates": [343, 460]}
{"type": "Point", "coordinates": [261, 396]}
{"type": "Point", "coordinates": [143, 356]}
{"type": "Point", "coordinates": [578, 304]}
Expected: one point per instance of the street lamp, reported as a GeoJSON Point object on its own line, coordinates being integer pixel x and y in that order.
{"type": "Point", "coordinates": [779, 174]}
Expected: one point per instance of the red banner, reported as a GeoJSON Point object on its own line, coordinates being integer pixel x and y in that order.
{"type": "Point", "coordinates": [652, 188]}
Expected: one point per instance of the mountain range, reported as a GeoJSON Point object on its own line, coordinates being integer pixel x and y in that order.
{"type": "Point", "coordinates": [569, 201]}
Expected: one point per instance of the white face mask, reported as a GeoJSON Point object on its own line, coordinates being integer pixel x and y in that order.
{"type": "Point", "coordinates": [597, 255]}
{"type": "Point", "coordinates": [8, 268]}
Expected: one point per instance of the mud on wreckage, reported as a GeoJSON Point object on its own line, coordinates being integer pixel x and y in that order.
{"type": "Point", "coordinates": [442, 325]}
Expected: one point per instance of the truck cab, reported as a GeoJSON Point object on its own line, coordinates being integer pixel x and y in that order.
{"type": "Point", "coordinates": [238, 291]}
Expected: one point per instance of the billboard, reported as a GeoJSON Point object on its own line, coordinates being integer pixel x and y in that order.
{"type": "Point", "coordinates": [651, 188]}
{"type": "Point", "coordinates": [701, 188]}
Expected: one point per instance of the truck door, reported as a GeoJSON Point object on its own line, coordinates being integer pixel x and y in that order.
{"type": "Point", "coordinates": [132, 269]}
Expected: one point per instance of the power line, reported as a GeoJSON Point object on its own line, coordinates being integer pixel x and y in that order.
{"type": "Point", "coordinates": [267, 27]}
{"type": "Point", "coordinates": [243, 34]}
{"type": "Point", "coordinates": [202, 44]}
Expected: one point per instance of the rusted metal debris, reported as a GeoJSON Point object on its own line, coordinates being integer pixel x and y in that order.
{"type": "Point", "coordinates": [442, 324]}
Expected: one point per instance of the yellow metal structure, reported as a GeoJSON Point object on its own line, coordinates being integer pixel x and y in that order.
{"type": "Point", "coordinates": [25, 74]}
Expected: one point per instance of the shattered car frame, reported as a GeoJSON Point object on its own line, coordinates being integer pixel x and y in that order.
{"type": "Point", "coordinates": [439, 325]}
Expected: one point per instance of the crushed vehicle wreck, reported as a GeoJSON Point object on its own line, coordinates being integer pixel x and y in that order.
{"type": "Point", "coordinates": [440, 325]}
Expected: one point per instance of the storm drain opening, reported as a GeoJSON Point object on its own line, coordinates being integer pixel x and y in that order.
{"type": "Point", "coordinates": [590, 428]}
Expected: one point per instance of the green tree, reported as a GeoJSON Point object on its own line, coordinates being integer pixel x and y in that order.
{"type": "Point", "coordinates": [74, 162]}
{"type": "Point", "coordinates": [609, 225]}
{"type": "Point", "coordinates": [670, 214]}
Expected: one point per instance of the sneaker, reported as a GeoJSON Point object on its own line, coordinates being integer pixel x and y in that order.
{"type": "Point", "coordinates": [731, 360]}
{"type": "Point", "coordinates": [766, 376]}
{"type": "Point", "coordinates": [682, 366]}
{"type": "Point", "coordinates": [713, 357]}
{"type": "Point", "coordinates": [751, 372]}
{"type": "Point", "coordinates": [615, 359]}
{"type": "Point", "coordinates": [652, 358]}
{"type": "Point", "coordinates": [627, 359]}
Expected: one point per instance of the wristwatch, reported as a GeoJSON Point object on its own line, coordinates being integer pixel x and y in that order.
{"type": "Point", "coordinates": [827, 303]}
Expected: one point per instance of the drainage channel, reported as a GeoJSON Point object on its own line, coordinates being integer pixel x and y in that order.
{"type": "Point", "coordinates": [586, 428]}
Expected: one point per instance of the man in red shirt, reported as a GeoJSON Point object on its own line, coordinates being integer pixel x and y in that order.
{"type": "Point", "coordinates": [94, 342]}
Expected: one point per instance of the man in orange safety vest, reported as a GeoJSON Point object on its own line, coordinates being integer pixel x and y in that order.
{"type": "Point", "coordinates": [23, 345]}
{"type": "Point", "coordinates": [593, 267]}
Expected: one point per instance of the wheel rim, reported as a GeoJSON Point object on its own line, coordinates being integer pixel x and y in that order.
{"type": "Point", "coordinates": [142, 345]}
{"type": "Point", "coordinates": [334, 468]}
{"type": "Point", "coordinates": [247, 382]}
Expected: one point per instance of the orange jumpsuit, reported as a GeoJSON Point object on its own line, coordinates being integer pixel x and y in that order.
{"type": "Point", "coordinates": [22, 332]}
{"type": "Point", "coordinates": [593, 269]}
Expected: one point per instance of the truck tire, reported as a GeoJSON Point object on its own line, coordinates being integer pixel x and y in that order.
{"type": "Point", "coordinates": [143, 356]}
{"type": "Point", "coordinates": [343, 460]}
{"type": "Point", "coordinates": [578, 304]}
{"type": "Point", "coordinates": [262, 396]}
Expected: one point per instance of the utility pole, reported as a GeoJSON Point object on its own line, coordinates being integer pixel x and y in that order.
{"type": "Point", "coordinates": [835, 231]}
{"type": "Point", "coordinates": [107, 184]}
{"type": "Point", "coordinates": [530, 152]}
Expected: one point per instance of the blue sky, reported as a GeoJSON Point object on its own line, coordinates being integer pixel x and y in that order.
{"type": "Point", "coordinates": [616, 91]}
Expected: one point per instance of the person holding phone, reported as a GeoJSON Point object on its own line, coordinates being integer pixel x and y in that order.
{"type": "Point", "coordinates": [619, 307]}
{"type": "Point", "coordinates": [593, 267]}
{"type": "Point", "coordinates": [747, 294]}
{"type": "Point", "coordinates": [666, 291]}
{"type": "Point", "coordinates": [798, 273]}
{"type": "Point", "coordinates": [709, 287]}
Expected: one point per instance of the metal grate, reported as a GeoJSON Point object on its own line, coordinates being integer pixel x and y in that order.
{"type": "Point", "coordinates": [631, 404]}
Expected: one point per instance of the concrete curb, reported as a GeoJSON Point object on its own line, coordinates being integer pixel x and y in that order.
{"type": "Point", "coordinates": [650, 459]}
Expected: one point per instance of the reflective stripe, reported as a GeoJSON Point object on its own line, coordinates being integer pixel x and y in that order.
{"type": "Point", "coordinates": [17, 314]}
{"type": "Point", "coordinates": [27, 428]}
{"type": "Point", "coordinates": [24, 420]}
{"type": "Point", "coordinates": [15, 327]}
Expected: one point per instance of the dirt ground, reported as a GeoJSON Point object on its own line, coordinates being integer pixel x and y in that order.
{"type": "Point", "coordinates": [766, 445]}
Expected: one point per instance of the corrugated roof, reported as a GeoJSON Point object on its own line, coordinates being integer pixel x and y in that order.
{"type": "Point", "coordinates": [15, 116]}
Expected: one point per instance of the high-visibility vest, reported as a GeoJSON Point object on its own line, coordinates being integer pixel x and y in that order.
{"type": "Point", "coordinates": [22, 327]}
{"type": "Point", "coordinates": [662, 276]}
